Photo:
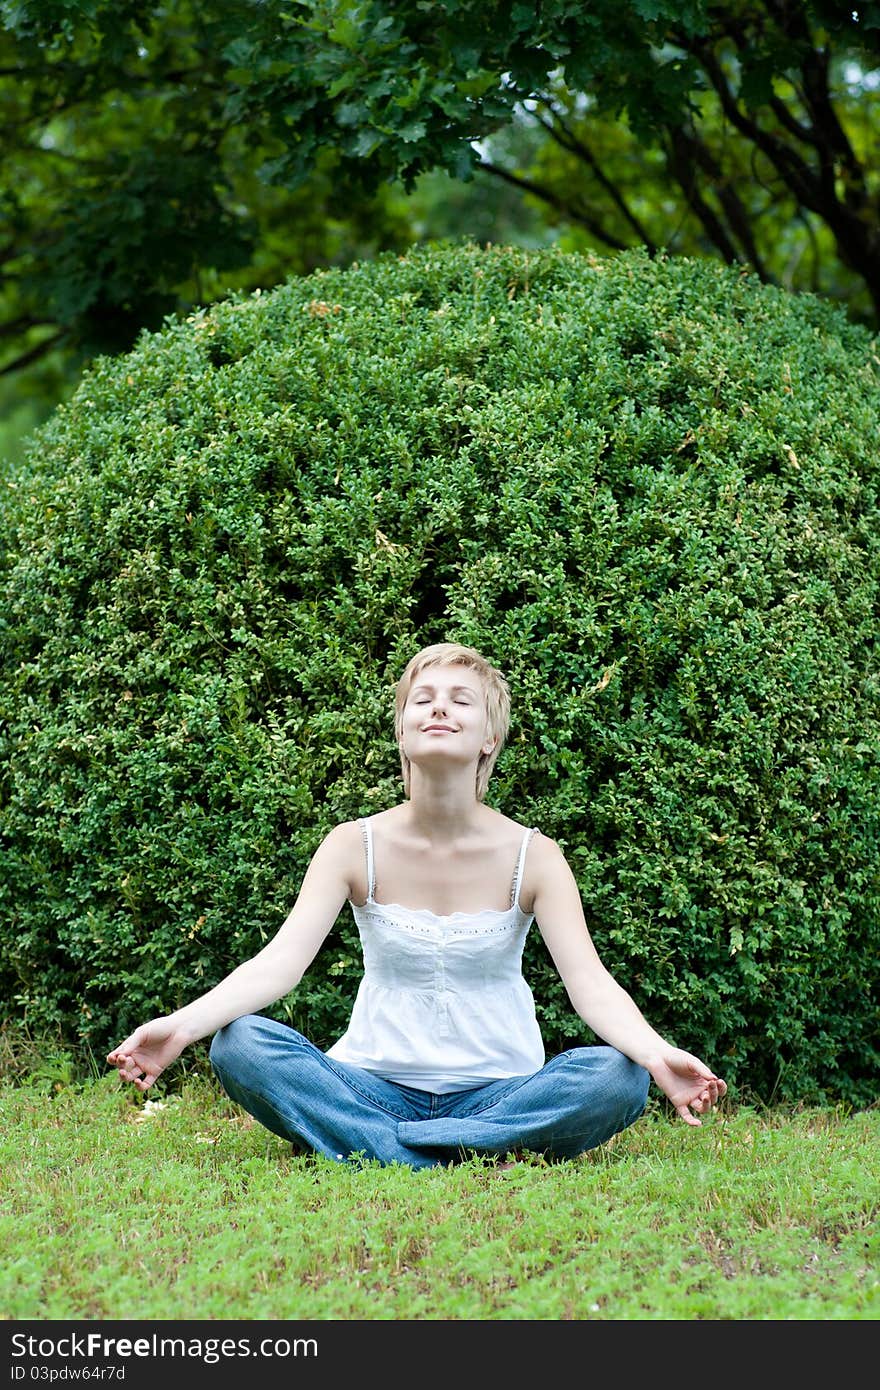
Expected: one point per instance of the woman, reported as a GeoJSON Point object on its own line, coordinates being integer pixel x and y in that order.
{"type": "Point", "coordinates": [443, 1054]}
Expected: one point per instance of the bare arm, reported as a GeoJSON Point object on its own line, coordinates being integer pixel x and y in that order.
{"type": "Point", "coordinates": [259, 981]}
{"type": "Point", "coordinates": [599, 1000]}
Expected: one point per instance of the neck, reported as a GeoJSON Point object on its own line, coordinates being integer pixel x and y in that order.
{"type": "Point", "coordinates": [442, 809]}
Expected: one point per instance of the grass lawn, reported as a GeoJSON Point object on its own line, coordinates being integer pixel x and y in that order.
{"type": "Point", "coordinates": [178, 1207]}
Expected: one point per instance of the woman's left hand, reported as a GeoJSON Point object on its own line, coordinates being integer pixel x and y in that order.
{"type": "Point", "coordinates": [687, 1082]}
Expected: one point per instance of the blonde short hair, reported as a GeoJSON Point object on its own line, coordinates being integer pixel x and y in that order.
{"type": "Point", "coordinates": [497, 694]}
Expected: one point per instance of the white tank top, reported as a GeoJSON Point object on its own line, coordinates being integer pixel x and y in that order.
{"type": "Point", "coordinates": [443, 1005]}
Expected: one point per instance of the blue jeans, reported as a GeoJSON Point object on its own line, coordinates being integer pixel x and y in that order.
{"type": "Point", "coordinates": [575, 1102]}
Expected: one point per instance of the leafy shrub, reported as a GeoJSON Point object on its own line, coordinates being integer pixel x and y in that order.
{"type": "Point", "coordinates": [648, 489]}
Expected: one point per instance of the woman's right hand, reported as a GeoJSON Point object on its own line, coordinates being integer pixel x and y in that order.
{"type": "Point", "coordinates": [148, 1051]}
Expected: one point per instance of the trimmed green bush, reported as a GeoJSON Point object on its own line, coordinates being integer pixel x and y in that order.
{"type": "Point", "coordinates": [647, 489]}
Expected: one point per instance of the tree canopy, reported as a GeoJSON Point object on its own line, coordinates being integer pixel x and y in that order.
{"type": "Point", "coordinates": [155, 149]}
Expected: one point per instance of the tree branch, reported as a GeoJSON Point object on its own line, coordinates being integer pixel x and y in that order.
{"type": "Point", "coordinates": [857, 239]}
{"type": "Point", "coordinates": [33, 354]}
{"type": "Point", "coordinates": [20, 325]}
{"type": "Point", "coordinates": [554, 201]}
{"type": "Point", "coordinates": [825, 134]}
{"type": "Point", "coordinates": [684, 171]}
{"type": "Point", "coordinates": [559, 131]}
{"type": "Point", "coordinates": [831, 137]}
{"type": "Point", "coordinates": [790, 121]}
{"type": "Point", "coordinates": [691, 153]}
{"type": "Point", "coordinates": [794, 170]}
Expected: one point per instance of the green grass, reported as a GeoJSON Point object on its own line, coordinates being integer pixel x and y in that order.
{"type": "Point", "coordinates": [186, 1209]}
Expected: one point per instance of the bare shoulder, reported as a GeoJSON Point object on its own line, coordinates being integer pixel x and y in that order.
{"type": "Point", "coordinates": [341, 851]}
{"type": "Point", "coordinates": [387, 819]}
{"type": "Point", "coordinates": [342, 837]}
{"type": "Point", "coordinates": [545, 854]}
{"type": "Point", "coordinates": [545, 866]}
{"type": "Point", "coordinates": [501, 829]}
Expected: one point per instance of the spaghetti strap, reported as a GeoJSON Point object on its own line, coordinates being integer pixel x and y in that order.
{"type": "Point", "coordinates": [367, 830]}
{"type": "Point", "coordinates": [517, 878]}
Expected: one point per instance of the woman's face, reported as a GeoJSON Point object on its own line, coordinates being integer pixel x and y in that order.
{"type": "Point", "coordinates": [444, 718]}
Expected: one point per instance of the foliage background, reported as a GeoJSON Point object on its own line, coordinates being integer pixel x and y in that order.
{"type": "Point", "coordinates": [646, 488]}
{"type": "Point", "coordinates": [155, 154]}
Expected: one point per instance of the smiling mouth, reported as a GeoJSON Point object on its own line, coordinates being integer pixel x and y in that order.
{"type": "Point", "coordinates": [438, 729]}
